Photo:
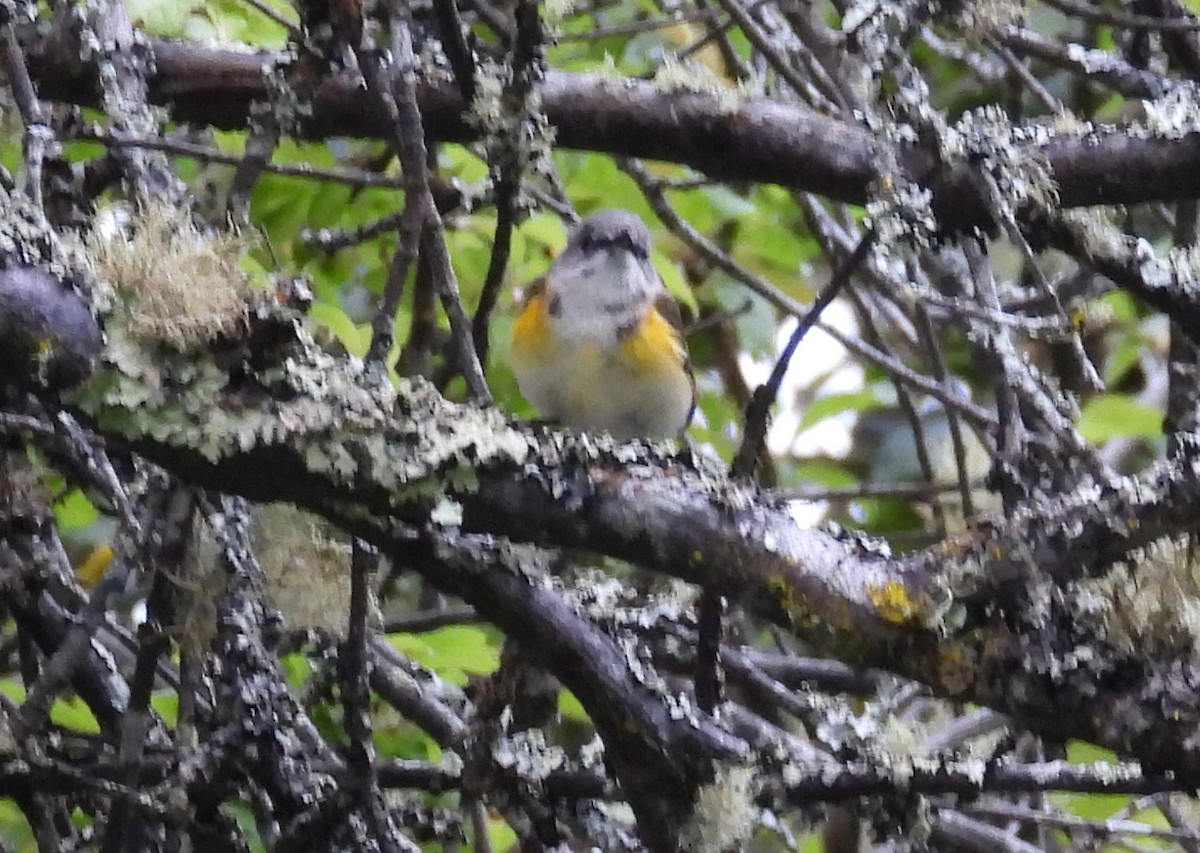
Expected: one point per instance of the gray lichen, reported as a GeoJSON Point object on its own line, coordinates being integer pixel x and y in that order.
{"type": "Point", "coordinates": [306, 564]}
{"type": "Point", "coordinates": [179, 287]}
{"type": "Point", "coordinates": [981, 18]}
{"type": "Point", "coordinates": [348, 423]}
{"type": "Point", "coordinates": [1174, 115]}
{"type": "Point", "coordinates": [1150, 602]}
{"type": "Point", "coordinates": [724, 815]}
{"type": "Point", "coordinates": [674, 76]}
{"type": "Point", "coordinates": [1006, 153]}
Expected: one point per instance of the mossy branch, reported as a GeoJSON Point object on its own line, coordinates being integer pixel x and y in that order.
{"type": "Point", "coordinates": [1008, 615]}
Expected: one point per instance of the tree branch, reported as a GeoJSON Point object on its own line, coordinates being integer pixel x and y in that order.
{"type": "Point", "coordinates": [381, 462]}
{"type": "Point", "coordinates": [756, 140]}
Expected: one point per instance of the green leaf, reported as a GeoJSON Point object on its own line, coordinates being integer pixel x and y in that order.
{"type": "Point", "coordinates": [835, 404]}
{"type": "Point", "coordinates": [727, 203]}
{"type": "Point", "coordinates": [713, 423]}
{"type": "Point", "coordinates": [1109, 416]}
{"type": "Point", "coordinates": [296, 669]}
{"type": "Point", "coordinates": [818, 473]}
{"type": "Point", "coordinates": [74, 511]}
{"type": "Point", "coordinates": [500, 835]}
{"type": "Point", "coordinates": [1120, 304]}
{"type": "Point", "coordinates": [545, 236]}
{"type": "Point", "coordinates": [1123, 359]}
{"type": "Point", "coordinates": [1091, 806]}
{"type": "Point", "coordinates": [677, 285]}
{"type": "Point", "coordinates": [160, 17]}
{"type": "Point", "coordinates": [755, 318]}
{"type": "Point", "coordinates": [14, 829]}
{"type": "Point", "coordinates": [884, 517]}
{"type": "Point", "coordinates": [353, 337]}
{"type": "Point", "coordinates": [454, 652]}
{"type": "Point", "coordinates": [777, 251]}
{"type": "Point", "coordinates": [570, 708]}
{"type": "Point", "coordinates": [166, 705]}
{"type": "Point", "coordinates": [1082, 752]}
{"type": "Point", "coordinates": [332, 206]}
{"type": "Point", "coordinates": [396, 737]}
{"type": "Point", "coordinates": [594, 182]}
{"type": "Point", "coordinates": [72, 713]}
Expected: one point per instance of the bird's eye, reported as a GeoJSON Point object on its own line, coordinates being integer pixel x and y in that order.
{"type": "Point", "coordinates": [625, 241]}
{"type": "Point", "coordinates": [587, 242]}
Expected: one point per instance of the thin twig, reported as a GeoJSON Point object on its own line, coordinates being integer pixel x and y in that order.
{"type": "Point", "coordinates": [1180, 819]}
{"type": "Point", "coordinates": [353, 670]}
{"type": "Point", "coordinates": [977, 416]}
{"type": "Point", "coordinates": [762, 43]}
{"type": "Point", "coordinates": [960, 832]}
{"type": "Point", "coordinates": [414, 160]}
{"type": "Point", "coordinates": [480, 837]}
{"type": "Point", "coordinates": [907, 408]}
{"type": "Point", "coordinates": [758, 411]}
{"type": "Point", "coordinates": [125, 95]}
{"type": "Point", "coordinates": [1183, 353]}
{"type": "Point", "coordinates": [493, 18]}
{"type": "Point", "coordinates": [908, 491]}
{"type": "Point", "coordinates": [383, 324]}
{"type": "Point", "coordinates": [393, 93]}
{"type": "Point", "coordinates": [276, 16]}
{"type": "Point", "coordinates": [1007, 217]}
{"type": "Point", "coordinates": [38, 136]}
{"type": "Point", "coordinates": [329, 240]}
{"type": "Point", "coordinates": [938, 364]}
{"type": "Point", "coordinates": [712, 600]}
{"type": "Point", "coordinates": [710, 626]}
{"type": "Point", "coordinates": [1011, 435]}
{"type": "Point", "coordinates": [351, 177]}
{"type": "Point", "coordinates": [718, 33]}
{"type": "Point", "coordinates": [430, 620]}
{"type": "Point", "coordinates": [1126, 20]}
{"type": "Point", "coordinates": [261, 141]}
{"type": "Point", "coordinates": [645, 25]}
{"type": "Point", "coordinates": [127, 829]}
{"type": "Point", "coordinates": [1102, 828]}
{"type": "Point", "coordinates": [1099, 66]}
{"type": "Point", "coordinates": [457, 46]}
{"type": "Point", "coordinates": [416, 356]}
{"type": "Point", "coordinates": [1027, 79]}
{"type": "Point", "coordinates": [508, 155]}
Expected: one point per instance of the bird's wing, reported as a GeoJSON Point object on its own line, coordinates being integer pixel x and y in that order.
{"type": "Point", "coordinates": [668, 307]}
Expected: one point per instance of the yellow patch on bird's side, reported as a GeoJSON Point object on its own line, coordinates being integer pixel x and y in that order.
{"type": "Point", "coordinates": [94, 565]}
{"type": "Point", "coordinates": [654, 347]}
{"type": "Point", "coordinates": [531, 332]}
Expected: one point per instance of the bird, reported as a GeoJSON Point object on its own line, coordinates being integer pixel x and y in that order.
{"type": "Point", "coordinates": [598, 344]}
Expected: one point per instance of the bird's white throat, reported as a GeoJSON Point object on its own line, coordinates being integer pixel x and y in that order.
{"type": "Point", "coordinates": [593, 298]}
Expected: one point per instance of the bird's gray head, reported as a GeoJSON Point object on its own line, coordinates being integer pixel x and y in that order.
{"type": "Point", "coordinates": [612, 231]}
{"type": "Point", "coordinates": [603, 281]}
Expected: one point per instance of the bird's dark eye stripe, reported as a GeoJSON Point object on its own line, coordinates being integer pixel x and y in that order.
{"type": "Point", "coordinates": [625, 240]}
{"type": "Point", "coordinates": [592, 242]}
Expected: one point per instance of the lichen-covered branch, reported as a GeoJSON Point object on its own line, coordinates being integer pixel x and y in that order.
{"type": "Point", "coordinates": [1018, 615]}
{"type": "Point", "coordinates": [631, 707]}
{"type": "Point", "coordinates": [755, 140]}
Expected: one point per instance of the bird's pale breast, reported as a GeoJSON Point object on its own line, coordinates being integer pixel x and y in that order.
{"type": "Point", "coordinates": [638, 387]}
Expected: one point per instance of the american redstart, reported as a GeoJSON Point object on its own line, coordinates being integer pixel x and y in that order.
{"type": "Point", "coordinates": [598, 345]}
